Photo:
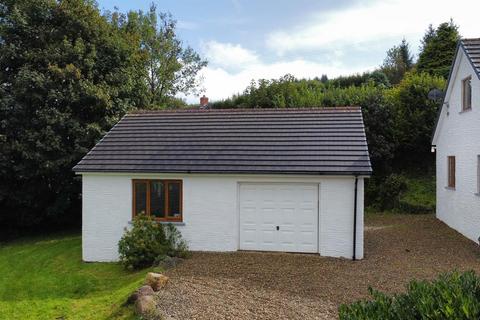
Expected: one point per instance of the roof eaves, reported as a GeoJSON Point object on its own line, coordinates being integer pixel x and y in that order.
{"type": "Point", "coordinates": [319, 173]}
{"type": "Point", "coordinates": [475, 68]}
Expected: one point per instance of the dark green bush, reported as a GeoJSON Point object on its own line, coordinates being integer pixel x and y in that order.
{"type": "Point", "coordinates": [147, 240]}
{"type": "Point", "coordinates": [384, 193]}
{"type": "Point", "coordinates": [409, 192]}
{"type": "Point", "coordinates": [452, 296]}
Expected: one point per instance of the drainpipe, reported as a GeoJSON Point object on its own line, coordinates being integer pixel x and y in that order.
{"type": "Point", "coordinates": [355, 220]}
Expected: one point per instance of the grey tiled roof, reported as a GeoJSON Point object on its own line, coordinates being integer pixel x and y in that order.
{"type": "Point", "coordinates": [472, 49]}
{"type": "Point", "coordinates": [277, 141]}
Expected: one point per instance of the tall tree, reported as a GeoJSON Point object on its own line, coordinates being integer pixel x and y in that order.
{"type": "Point", "coordinates": [172, 68]}
{"type": "Point", "coordinates": [414, 118]}
{"type": "Point", "coordinates": [67, 75]}
{"type": "Point", "coordinates": [438, 49]}
{"type": "Point", "coordinates": [398, 61]}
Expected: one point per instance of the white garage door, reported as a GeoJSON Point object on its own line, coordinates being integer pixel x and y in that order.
{"type": "Point", "coordinates": [279, 217]}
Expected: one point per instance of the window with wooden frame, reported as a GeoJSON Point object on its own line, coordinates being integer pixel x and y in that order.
{"type": "Point", "coordinates": [160, 199]}
{"type": "Point", "coordinates": [451, 171]}
{"type": "Point", "coordinates": [467, 93]}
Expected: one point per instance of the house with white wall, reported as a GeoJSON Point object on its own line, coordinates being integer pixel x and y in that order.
{"type": "Point", "coordinates": [456, 142]}
{"type": "Point", "coordinates": [288, 180]}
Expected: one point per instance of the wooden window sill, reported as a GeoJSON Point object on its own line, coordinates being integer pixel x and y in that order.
{"type": "Point", "coordinates": [465, 111]}
{"type": "Point", "coordinates": [175, 223]}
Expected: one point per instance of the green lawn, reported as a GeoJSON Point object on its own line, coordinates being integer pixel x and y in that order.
{"type": "Point", "coordinates": [420, 195]}
{"type": "Point", "coordinates": [46, 279]}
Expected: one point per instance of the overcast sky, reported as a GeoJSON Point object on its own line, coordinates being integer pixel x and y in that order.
{"type": "Point", "coordinates": [252, 39]}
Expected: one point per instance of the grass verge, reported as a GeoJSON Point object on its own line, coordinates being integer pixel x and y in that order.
{"type": "Point", "coordinates": [45, 278]}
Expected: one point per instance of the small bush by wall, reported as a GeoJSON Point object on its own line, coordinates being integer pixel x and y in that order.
{"type": "Point", "coordinates": [451, 296]}
{"type": "Point", "coordinates": [147, 241]}
{"type": "Point", "coordinates": [403, 193]}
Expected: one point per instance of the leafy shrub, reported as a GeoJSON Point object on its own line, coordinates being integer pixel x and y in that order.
{"type": "Point", "coordinates": [420, 194]}
{"type": "Point", "coordinates": [147, 240]}
{"type": "Point", "coordinates": [452, 296]}
{"type": "Point", "coordinates": [411, 192]}
{"type": "Point", "coordinates": [384, 193]}
{"type": "Point", "coordinates": [177, 246]}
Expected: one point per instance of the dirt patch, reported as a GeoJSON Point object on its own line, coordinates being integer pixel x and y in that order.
{"type": "Point", "coordinates": [247, 285]}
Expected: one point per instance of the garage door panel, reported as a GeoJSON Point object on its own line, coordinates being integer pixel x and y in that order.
{"type": "Point", "coordinates": [293, 208]}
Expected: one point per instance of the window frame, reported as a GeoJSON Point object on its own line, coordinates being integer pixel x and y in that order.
{"type": "Point", "coordinates": [451, 172]}
{"type": "Point", "coordinates": [464, 106]}
{"type": "Point", "coordinates": [166, 182]}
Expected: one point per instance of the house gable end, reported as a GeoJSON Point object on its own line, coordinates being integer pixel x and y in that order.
{"type": "Point", "coordinates": [462, 56]}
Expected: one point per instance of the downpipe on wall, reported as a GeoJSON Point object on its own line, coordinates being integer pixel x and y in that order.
{"type": "Point", "coordinates": [354, 257]}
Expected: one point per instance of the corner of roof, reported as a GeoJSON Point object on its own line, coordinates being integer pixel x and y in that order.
{"type": "Point", "coordinates": [467, 41]}
{"type": "Point", "coordinates": [460, 45]}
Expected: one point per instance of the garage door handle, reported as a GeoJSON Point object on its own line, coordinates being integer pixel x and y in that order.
{"type": "Point", "coordinates": [278, 228]}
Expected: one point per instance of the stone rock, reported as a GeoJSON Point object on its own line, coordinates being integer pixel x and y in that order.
{"type": "Point", "coordinates": [142, 291]}
{"type": "Point", "coordinates": [145, 306]}
{"type": "Point", "coordinates": [156, 280]}
{"type": "Point", "coordinates": [145, 290]}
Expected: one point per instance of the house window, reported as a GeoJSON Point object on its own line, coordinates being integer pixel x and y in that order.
{"type": "Point", "coordinates": [160, 199]}
{"type": "Point", "coordinates": [467, 93]}
{"type": "Point", "coordinates": [451, 171]}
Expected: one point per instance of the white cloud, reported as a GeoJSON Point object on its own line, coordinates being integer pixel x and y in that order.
{"type": "Point", "coordinates": [344, 40]}
{"type": "Point", "coordinates": [373, 22]}
{"type": "Point", "coordinates": [228, 55]}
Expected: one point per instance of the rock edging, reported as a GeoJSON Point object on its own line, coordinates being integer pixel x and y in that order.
{"type": "Point", "coordinates": [143, 298]}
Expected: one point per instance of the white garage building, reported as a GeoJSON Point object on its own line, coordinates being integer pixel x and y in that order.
{"type": "Point", "coordinates": [287, 180]}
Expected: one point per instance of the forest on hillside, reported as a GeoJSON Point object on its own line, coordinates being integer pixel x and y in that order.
{"type": "Point", "coordinates": [69, 72]}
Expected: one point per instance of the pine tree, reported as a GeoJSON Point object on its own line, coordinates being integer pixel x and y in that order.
{"type": "Point", "coordinates": [398, 61]}
{"type": "Point", "coordinates": [438, 49]}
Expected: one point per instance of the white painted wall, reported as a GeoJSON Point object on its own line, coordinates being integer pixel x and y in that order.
{"type": "Point", "coordinates": [458, 134]}
{"type": "Point", "coordinates": [210, 212]}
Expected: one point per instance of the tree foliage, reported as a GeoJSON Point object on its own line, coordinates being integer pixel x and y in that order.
{"type": "Point", "coordinates": [399, 60]}
{"type": "Point", "coordinates": [415, 116]}
{"type": "Point", "coordinates": [438, 49]}
{"type": "Point", "coordinates": [170, 67]}
{"type": "Point", "coordinates": [67, 75]}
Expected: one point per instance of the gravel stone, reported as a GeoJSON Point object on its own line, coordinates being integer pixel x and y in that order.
{"type": "Point", "coordinates": [254, 285]}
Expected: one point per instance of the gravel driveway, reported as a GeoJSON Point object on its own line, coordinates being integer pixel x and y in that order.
{"type": "Point", "coordinates": [252, 285]}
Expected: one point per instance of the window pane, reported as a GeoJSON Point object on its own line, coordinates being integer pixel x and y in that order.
{"type": "Point", "coordinates": [451, 171]}
{"type": "Point", "coordinates": [469, 93]}
{"type": "Point", "coordinates": [140, 198]}
{"type": "Point", "coordinates": [157, 199]}
{"type": "Point", "coordinates": [174, 198]}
